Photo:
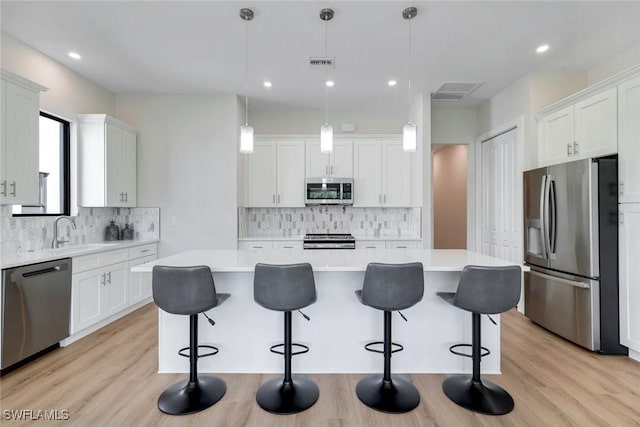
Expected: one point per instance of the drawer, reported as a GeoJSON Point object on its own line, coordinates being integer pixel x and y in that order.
{"type": "Point", "coordinates": [370, 244]}
{"type": "Point", "coordinates": [247, 245]}
{"type": "Point", "coordinates": [403, 244]}
{"type": "Point", "coordinates": [100, 259]}
{"type": "Point", "coordinates": [143, 251]}
{"type": "Point", "coordinates": [294, 244]}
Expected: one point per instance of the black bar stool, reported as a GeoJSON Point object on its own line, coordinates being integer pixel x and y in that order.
{"type": "Point", "coordinates": [390, 287]}
{"type": "Point", "coordinates": [189, 291]}
{"type": "Point", "coordinates": [286, 288]}
{"type": "Point", "coordinates": [481, 290]}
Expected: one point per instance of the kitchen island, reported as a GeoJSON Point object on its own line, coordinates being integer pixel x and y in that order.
{"type": "Point", "coordinates": [340, 326]}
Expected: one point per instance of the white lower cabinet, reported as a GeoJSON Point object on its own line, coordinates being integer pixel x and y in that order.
{"type": "Point", "coordinates": [629, 281]}
{"type": "Point", "coordinates": [102, 285]}
{"type": "Point", "coordinates": [370, 244]}
{"type": "Point", "coordinates": [388, 244]}
{"type": "Point", "coordinates": [261, 245]}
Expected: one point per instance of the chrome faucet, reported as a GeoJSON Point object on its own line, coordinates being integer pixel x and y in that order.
{"type": "Point", "coordinates": [55, 242]}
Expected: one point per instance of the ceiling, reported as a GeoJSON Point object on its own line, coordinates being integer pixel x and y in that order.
{"type": "Point", "coordinates": [198, 47]}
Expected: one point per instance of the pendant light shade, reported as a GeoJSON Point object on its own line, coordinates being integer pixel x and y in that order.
{"type": "Point", "coordinates": [409, 137]}
{"type": "Point", "coordinates": [246, 139]}
{"type": "Point", "coordinates": [326, 130]}
{"type": "Point", "coordinates": [326, 138]}
{"type": "Point", "coordinates": [409, 132]}
{"type": "Point", "coordinates": [246, 131]}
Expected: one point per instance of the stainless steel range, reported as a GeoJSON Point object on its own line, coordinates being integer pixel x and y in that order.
{"type": "Point", "coordinates": [329, 241]}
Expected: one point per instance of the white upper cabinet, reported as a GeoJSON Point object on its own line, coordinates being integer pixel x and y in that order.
{"type": "Point", "coordinates": [337, 164]}
{"type": "Point", "coordinates": [19, 143]}
{"type": "Point", "coordinates": [587, 128]}
{"type": "Point", "coordinates": [107, 162]}
{"type": "Point", "coordinates": [275, 174]}
{"type": "Point", "coordinates": [629, 141]}
{"type": "Point", "coordinates": [382, 174]}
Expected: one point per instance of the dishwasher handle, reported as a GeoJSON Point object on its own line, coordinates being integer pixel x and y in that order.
{"type": "Point", "coordinates": [24, 273]}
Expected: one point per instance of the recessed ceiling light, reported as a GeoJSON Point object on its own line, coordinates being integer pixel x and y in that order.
{"type": "Point", "coordinates": [542, 48]}
{"type": "Point", "coordinates": [392, 82]}
{"type": "Point", "coordinates": [267, 84]}
{"type": "Point", "coordinates": [74, 55]}
{"type": "Point", "coordinates": [330, 83]}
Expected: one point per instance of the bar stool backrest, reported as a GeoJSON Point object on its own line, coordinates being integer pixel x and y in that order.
{"type": "Point", "coordinates": [392, 287]}
{"type": "Point", "coordinates": [284, 287]}
{"type": "Point", "coordinates": [183, 290]}
{"type": "Point", "coordinates": [488, 290]}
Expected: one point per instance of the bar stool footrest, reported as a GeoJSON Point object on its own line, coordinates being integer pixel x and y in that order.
{"type": "Point", "coordinates": [184, 352]}
{"type": "Point", "coordinates": [368, 347]}
{"type": "Point", "coordinates": [305, 349]}
{"type": "Point", "coordinates": [484, 350]}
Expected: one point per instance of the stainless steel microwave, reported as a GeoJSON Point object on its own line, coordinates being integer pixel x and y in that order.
{"type": "Point", "coordinates": [329, 191]}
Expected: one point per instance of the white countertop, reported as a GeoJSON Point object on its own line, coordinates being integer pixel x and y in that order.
{"type": "Point", "coordinates": [25, 258]}
{"type": "Point", "coordinates": [327, 260]}
{"type": "Point", "coordinates": [361, 237]}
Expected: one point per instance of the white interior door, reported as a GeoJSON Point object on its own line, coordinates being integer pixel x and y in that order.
{"type": "Point", "coordinates": [501, 204]}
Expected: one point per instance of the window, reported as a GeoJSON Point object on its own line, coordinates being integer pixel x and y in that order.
{"type": "Point", "coordinates": [54, 169]}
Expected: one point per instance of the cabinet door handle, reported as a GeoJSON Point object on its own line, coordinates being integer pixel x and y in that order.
{"type": "Point", "coordinates": [622, 188]}
{"type": "Point", "coordinates": [569, 149]}
{"type": "Point", "coordinates": [278, 199]}
{"type": "Point", "coordinates": [331, 170]}
{"type": "Point", "coordinates": [109, 277]}
{"type": "Point", "coordinates": [13, 185]}
{"type": "Point", "coordinates": [3, 184]}
{"type": "Point", "coordinates": [575, 148]}
{"type": "Point", "coordinates": [273, 199]}
{"type": "Point", "coordinates": [103, 279]}
{"type": "Point", "coordinates": [126, 197]}
{"type": "Point", "coordinates": [145, 251]}
{"type": "Point", "coordinates": [401, 247]}
{"type": "Point", "coordinates": [257, 247]}
{"type": "Point", "coordinates": [380, 198]}
{"type": "Point", "coordinates": [122, 197]}
{"type": "Point", "coordinates": [621, 218]}
{"type": "Point", "coordinates": [384, 198]}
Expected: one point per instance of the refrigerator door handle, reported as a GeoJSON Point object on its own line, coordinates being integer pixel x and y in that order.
{"type": "Point", "coordinates": [557, 279]}
{"type": "Point", "coordinates": [552, 216]}
{"type": "Point", "coordinates": [543, 231]}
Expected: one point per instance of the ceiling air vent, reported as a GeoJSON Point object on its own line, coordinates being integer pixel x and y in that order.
{"type": "Point", "coordinates": [320, 62]}
{"type": "Point", "coordinates": [454, 91]}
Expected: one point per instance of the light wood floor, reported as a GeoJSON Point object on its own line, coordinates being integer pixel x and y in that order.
{"type": "Point", "coordinates": [109, 379]}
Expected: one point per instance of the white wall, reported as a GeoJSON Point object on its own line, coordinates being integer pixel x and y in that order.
{"type": "Point", "coordinates": [69, 94]}
{"type": "Point", "coordinates": [275, 118]}
{"type": "Point", "coordinates": [452, 125]}
{"type": "Point", "coordinates": [615, 64]}
{"type": "Point", "coordinates": [187, 157]}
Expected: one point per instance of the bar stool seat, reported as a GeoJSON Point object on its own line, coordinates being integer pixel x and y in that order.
{"type": "Point", "coordinates": [389, 287]}
{"type": "Point", "coordinates": [189, 291]}
{"type": "Point", "coordinates": [481, 290]}
{"type": "Point", "coordinates": [286, 288]}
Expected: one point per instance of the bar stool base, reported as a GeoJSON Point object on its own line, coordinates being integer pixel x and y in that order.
{"type": "Point", "coordinates": [485, 396]}
{"type": "Point", "coordinates": [186, 397]}
{"type": "Point", "coordinates": [395, 397]}
{"type": "Point", "coordinates": [279, 398]}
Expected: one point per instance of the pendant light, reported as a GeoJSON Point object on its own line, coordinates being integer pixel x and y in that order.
{"type": "Point", "coordinates": [326, 131]}
{"type": "Point", "coordinates": [246, 131]}
{"type": "Point", "coordinates": [409, 132]}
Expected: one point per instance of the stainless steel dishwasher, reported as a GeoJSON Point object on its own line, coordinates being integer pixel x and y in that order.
{"type": "Point", "coordinates": [36, 308]}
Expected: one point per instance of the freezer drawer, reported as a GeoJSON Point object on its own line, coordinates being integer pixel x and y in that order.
{"type": "Point", "coordinates": [564, 304]}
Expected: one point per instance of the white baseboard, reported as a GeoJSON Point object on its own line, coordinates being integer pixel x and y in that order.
{"type": "Point", "coordinates": [635, 355]}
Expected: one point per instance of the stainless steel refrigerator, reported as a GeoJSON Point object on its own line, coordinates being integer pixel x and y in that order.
{"type": "Point", "coordinates": [571, 245]}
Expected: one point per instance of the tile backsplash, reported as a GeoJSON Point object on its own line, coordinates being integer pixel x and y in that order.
{"type": "Point", "coordinates": [23, 234]}
{"type": "Point", "coordinates": [361, 222]}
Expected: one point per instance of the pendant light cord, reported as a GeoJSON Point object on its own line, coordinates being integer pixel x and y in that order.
{"type": "Point", "coordinates": [246, 72]}
{"type": "Point", "coordinates": [409, 109]}
{"type": "Point", "coordinates": [326, 74]}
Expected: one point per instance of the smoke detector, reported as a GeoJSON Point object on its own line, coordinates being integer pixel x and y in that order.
{"type": "Point", "coordinates": [454, 91]}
